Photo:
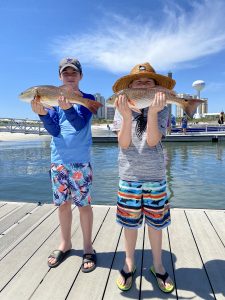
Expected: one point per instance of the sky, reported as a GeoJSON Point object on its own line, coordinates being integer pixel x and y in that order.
{"type": "Point", "coordinates": [186, 37]}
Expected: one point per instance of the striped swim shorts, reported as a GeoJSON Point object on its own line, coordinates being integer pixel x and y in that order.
{"type": "Point", "coordinates": [71, 182]}
{"type": "Point", "coordinates": [139, 199]}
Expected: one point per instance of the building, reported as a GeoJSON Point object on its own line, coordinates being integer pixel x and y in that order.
{"type": "Point", "coordinates": [101, 111]}
{"type": "Point", "coordinates": [104, 112]}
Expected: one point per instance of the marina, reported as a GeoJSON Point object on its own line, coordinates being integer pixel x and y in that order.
{"type": "Point", "coordinates": [93, 93]}
{"type": "Point", "coordinates": [193, 254]}
{"type": "Point", "coordinates": [104, 134]}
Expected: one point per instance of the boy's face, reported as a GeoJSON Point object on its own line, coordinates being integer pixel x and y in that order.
{"type": "Point", "coordinates": [70, 76]}
{"type": "Point", "coordinates": [142, 83]}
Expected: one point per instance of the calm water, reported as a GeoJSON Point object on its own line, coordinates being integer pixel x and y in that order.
{"type": "Point", "coordinates": [195, 173]}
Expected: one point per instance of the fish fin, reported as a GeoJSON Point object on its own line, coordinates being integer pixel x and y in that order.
{"type": "Point", "coordinates": [131, 102]}
{"type": "Point", "coordinates": [47, 106]}
{"type": "Point", "coordinates": [132, 105]}
{"type": "Point", "coordinates": [93, 106]}
{"type": "Point", "coordinates": [69, 89]}
{"type": "Point", "coordinates": [136, 109]}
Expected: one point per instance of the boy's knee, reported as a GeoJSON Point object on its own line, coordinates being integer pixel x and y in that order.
{"type": "Point", "coordinates": [85, 209]}
{"type": "Point", "coordinates": [65, 206]}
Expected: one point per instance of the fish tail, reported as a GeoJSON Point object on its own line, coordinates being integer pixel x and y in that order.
{"type": "Point", "coordinates": [93, 106]}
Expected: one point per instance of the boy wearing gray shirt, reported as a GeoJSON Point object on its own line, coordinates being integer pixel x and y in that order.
{"type": "Point", "coordinates": [142, 186]}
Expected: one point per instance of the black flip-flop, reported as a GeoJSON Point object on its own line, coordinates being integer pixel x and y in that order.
{"type": "Point", "coordinates": [59, 257]}
{"type": "Point", "coordinates": [126, 287]}
{"type": "Point", "coordinates": [87, 258]}
{"type": "Point", "coordinates": [163, 277]}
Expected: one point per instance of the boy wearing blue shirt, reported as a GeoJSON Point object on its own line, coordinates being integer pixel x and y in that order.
{"type": "Point", "coordinates": [71, 171]}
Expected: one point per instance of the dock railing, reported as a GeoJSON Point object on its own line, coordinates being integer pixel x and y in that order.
{"type": "Point", "coordinates": [22, 126]}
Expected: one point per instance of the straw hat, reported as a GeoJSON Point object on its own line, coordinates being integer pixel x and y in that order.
{"type": "Point", "coordinates": [143, 70]}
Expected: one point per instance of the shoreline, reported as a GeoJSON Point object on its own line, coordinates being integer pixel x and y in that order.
{"type": "Point", "coordinates": [97, 131]}
{"type": "Point", "coordinates": [22, 137]}
{"type": "Point", "coordinates": [101, 133]}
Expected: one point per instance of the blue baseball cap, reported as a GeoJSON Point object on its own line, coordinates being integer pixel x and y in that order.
{"type": "Point", "coordinates": [70, 62]}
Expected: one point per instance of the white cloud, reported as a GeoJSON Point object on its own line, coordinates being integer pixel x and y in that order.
{"type": "Point", "coordinates": [179, 39]}
{"type": "Point", "coordinates": [215, 87]}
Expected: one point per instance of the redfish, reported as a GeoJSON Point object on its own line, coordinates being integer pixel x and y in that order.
{"type": "Point", "coordinates": [50, 94]}
{"type": "Point", "coordinates": [139, 98]}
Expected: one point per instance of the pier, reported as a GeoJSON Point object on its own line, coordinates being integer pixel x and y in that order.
{"type": "Point", "coordinates": [193, 254]}
{"type": "Point", "coordinates": [102, 134]}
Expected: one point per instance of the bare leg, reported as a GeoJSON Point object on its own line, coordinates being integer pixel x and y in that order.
{"type": "Point", "coordinates": [155, 238]}
{"type": "Point", "coordinates": [86, 221]}
{"type": "Point", "coordinates": [65, 220]}
{"type": "Point", "coordinates": [130, 239]}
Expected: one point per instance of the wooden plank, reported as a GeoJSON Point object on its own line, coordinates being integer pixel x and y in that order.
{"type": "Point", "coordinates": [211, 249]}
{"type": "Point", "coordinates": [8, 208]}
{"type": "Point", "coordinates": [15, 216]}
{"type": "Point", "coordinates": [2, 203]}
{"type": "Point", "coordinates": [58, 281]}
{"type": "Point", "coordinates": [191, 278]}
{"type": "Point", "coordinates": [149, 287]}
{"type": "Point", "coordinates": [27, 232]}
{"type": "Point", "coordinates": [106, 242]}
{"type": "Point", "coordinates": [36, 268]}
{"type": "Point", "coordinates": [23, 252]}
{"type": "Point", "coordinates": [27, 223]}
{"type": "Point", "coordinates": [26, 257]}
{"type": "Point", "coordinates": [112, 291]}
{"type": "Point", "coordinates": [217, 218]}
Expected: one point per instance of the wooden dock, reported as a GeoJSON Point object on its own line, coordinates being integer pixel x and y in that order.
{"type": "Point", "coordinates": [193, 253]}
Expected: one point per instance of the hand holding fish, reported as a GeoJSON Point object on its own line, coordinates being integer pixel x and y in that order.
{"type": "Point", "coordinates": [121, 103]}
{"type": "Point", "coordinates": [158, 103]}
{"type": "Point", "coordinates": [37, 106]}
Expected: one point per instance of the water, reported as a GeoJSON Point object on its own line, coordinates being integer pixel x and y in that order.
{"type": "Point", "coordinates": [195, 173]}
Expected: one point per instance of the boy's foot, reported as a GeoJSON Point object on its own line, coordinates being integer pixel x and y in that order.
{"type": "Point", "coordinates": [56, 257]}
{"type": "Point", "coordinates": [89, 262]}
{"type": "Point", "coordinates": [125, 280]}
{"type": "Point", "coordinates": [164, 282]}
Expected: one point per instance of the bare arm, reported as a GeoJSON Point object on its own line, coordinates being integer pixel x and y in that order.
{"type": "Point", "coordinates": [153, 133]}
{"type": "Point", "coordinates": [124, 135]}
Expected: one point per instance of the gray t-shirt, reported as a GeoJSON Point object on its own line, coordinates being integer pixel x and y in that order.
{"type": "Point", "coordinates": [139, 162]}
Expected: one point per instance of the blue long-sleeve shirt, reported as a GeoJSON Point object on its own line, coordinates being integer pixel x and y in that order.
{"type": "Point", "coordinates": [71, 133]}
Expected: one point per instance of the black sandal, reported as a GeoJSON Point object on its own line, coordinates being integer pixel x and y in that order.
{"type": "Point", "coordinates": [163, 277]}
{"type": "Point", "coordinates": [87, 258]}
{"type": "Point", "coordinates": [126, 287]}
{"type": "Point", "coordinates": [59, 257]}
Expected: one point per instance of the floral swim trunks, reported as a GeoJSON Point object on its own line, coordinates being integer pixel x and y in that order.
{"type": "Point", "coordinates": [139, 199]}
{"type": "Point", "coordinates": [71, 182]}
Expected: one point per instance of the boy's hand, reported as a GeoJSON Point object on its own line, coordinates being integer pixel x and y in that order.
{"type": "Point", "coordinates": [158, 103]}
{"type": "Point", "coordinates": [63, 103]}
{"type": "Point", "coordinates": [37, 106]}
{"type": "Point", "coordinates": [121, 103]}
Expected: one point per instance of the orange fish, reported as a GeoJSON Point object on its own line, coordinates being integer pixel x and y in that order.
{"type": "Point", "coordinates": [50, 94]}
{"type": "Point", "coordinates": [141, 98]}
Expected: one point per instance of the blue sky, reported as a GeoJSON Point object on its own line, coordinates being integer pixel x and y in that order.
{"type": "Point", "coordinates": [186, 37]}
